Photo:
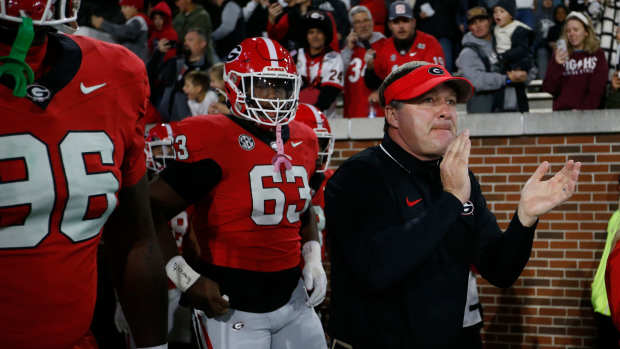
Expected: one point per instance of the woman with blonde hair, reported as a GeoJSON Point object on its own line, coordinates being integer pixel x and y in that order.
{"type": "Point", "coordinates": [577, 71]}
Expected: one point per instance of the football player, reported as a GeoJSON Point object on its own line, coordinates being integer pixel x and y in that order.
{"type": "Point", "coordinates": [158, 150]}
{"type": "Point", "coordinates": [316, 120]}
{"type": "Point", "coordinates": [71, 160]}
{"type": "Point", "coordinates": [248, 176]}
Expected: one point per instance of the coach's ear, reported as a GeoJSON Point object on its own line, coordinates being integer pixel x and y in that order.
{"type": "Point", "coordinates": [391, 117]}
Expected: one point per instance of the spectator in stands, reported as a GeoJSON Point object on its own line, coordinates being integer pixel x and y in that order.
{"type": "Point", "coordinates": [608, 336]}
{"type": "Point", "coordinates": [320, 67]}
{"type": "Point", "coordinates": [379, 10]}
{"type": "Point", "coordinates": [192, 15]}
{"type": "Point", "coordinates": [359, 43]}
{"type": "Point", "coordinates": [338, 10]}
{"type": "Point", "coordinates": [559, 17]}
{"type": "Point", "coordinates": [577, 75]}
{"type": "Point", "coordinates": [605, 15]}
{"type": "Point", "coordinates": [161, 19]}
{"type": "Point", "coordinates": [406, 44]}
{"type": "Point", "coordinates": [525, 13]}
{"type": "Point", "coordinates": [513, 41]}
{"type": "Point", "coordinates": [256, 14]}
{"type": "Point", "coordinates": [134, 33]}
{"type": "Point", "coordinates": [231, 31]}
{"type": "Point", "coordinates": [281, 24]}
{"type": "Point", "coordinates": [173, 103]}
{"type": "Point", "coordinates": [439, 18]}
{"type": "Point", "coordinates": [217, 84]}
{"type": "Point", "coordinates": [613, 96]}
{"type": "Point", "coordinates": [199, 96]}
{"type": "Point", "coordinates": [544, 22]}
{"type": "Point", "coordinates": [478, 63]}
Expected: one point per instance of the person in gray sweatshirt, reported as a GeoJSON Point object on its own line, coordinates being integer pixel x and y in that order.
{"type": "Point", "coordinates": [477, 62]}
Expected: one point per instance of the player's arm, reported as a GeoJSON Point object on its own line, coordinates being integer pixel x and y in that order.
{"type": "Point", "coordinates": [135, 260]}
{"type": "Point", "coordinates": [314, 276]}
{"type": "Point", "coordinates": [178, 186]}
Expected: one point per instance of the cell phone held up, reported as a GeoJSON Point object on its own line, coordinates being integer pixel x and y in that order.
{"type": "Point", "coordinates": [172, 44]}
{"type": "Point", "coordinates": [561, 45]}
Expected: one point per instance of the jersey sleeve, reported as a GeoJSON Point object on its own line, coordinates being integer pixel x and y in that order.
{"type": "Point", "coordinates": [189, 144]}
{"type": "Point", "coordinates": [332, 73]}
{"type": "Point", "coordinates": [134, 161]}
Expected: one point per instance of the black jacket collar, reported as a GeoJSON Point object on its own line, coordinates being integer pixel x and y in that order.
{"type": "Point", "coordinates": [408, 162]}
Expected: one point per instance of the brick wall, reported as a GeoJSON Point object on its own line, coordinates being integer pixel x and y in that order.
{"type": "Point", "coordinates": [549, 305]}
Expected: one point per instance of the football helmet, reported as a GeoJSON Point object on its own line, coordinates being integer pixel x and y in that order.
{"type": "Point", "coordinates": [311, 116]}
{"type": "Point", "coordinates": [42, 12]}
{"type": "Point", "coordinates": [262, 82]}
{"type": "Point", "coordinates": [158, 147]}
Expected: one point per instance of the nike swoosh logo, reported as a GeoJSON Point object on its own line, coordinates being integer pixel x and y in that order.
{"type": "Point", "coordinates": [295, 144]}
{"type": "Point", "coordinates": [86, 90]}
{"type": "Point", "coordinates": [413, 203]}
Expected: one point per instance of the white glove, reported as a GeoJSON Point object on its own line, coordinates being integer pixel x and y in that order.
{"type": "Point", "coordinates": [119, 320]}
{"type": "Point", "coordinates": [313, 273]}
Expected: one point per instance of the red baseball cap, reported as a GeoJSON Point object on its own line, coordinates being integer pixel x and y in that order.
{"type": "Point", "coordinates": [423, 79]}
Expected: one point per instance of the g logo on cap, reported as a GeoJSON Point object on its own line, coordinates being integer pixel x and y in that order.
{"type": "Point", "coordinates": [436, 71]}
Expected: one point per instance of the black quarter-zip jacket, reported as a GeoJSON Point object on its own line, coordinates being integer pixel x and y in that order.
{"type": "Point", "coordinates": [401, 250]}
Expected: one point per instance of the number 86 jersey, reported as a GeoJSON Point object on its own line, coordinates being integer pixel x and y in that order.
{"type": "Point", "coordinates": [65, 152]}
{"type": "Point", "coordinates": [251, 219]}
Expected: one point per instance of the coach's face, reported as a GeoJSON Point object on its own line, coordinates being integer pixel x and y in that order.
{"type": "Point", "coordinates": [425, 126]}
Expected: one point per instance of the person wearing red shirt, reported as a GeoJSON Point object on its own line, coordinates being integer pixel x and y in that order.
{"type": "Point", "coordinates": [248, 175]}
{"type": "Point", "coordinates": [407, 44]}
{"type": "Point", "coordinates": [320, 66]}
{"type": "Point", "coordinates": [161, 30]}
{"type": "Point", "coordinates": [361, 41]}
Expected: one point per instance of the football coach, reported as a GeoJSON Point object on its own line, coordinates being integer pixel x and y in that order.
{"type": "Point", "coordinates": [406, 219]}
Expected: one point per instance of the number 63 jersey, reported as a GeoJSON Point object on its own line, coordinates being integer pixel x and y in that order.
{"type": "Point", "coordinates": [65, 152]}
{"type": "Point", "coordinates": [251, 219]}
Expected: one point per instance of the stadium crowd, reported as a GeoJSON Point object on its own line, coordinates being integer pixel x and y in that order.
{"type": "Point", "coordinates": [343, 49]}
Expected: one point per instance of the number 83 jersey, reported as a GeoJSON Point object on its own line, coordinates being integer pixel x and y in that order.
{"type": "Point", "coordinates": [65, 152]}
{"type": "Point", "coordinates": [251, 218]}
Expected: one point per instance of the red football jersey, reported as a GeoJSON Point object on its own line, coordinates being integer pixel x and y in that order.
{"type": "Point", "coordinates": [251, 219]}
{"type": "Point", "coordinates": [355, 92]}
{"type": "Point", "coordinates": [425, 48]}
{"type": "Point", "coordinates": [65, 152]}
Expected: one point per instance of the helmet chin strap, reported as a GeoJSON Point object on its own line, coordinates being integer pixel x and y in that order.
{"type": "Point", "coordinates": [15, 63]}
